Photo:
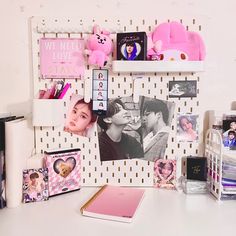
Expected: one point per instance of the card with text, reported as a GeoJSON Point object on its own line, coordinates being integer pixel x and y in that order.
{"type": "Point", "coordinates": [61, 58]}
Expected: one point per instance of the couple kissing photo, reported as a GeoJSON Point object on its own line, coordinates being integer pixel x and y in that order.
{"type": "Point", "coordinates": [135, 130]}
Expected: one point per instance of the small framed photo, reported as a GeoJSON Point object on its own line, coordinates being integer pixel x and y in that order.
{"type": "Point", "coordinates": [182, 88]}
{"type": "Point", "coordinates": [229, 134]}
{"type": "Point", "coordinates": [132, 46]}
{"type": "Point", "coordinates": [165, 174]}
{"type": "Point", "coordinates": [35, 185]}
{"type": "Point", "coordinates": [187, 127]}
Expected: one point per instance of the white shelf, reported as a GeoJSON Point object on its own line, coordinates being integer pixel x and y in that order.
{"type": "Point", "coordinates": [158, 66]}
{"type": "Point", "coordinates": [61, 216]}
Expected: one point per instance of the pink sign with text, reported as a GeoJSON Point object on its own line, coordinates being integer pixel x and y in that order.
{"type": "Point", "coordinates": [61, 58]}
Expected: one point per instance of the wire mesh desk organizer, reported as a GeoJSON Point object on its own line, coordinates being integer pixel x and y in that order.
{"type": "Point", "coordinates": [221, 162]}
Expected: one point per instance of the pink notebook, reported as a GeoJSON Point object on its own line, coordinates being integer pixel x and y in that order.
{"type": "Point", "coordinates": [114, 203]}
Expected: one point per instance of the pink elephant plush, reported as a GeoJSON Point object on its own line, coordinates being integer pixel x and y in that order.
{"type": "Point", "coordinates": [171, 42]}
{"type": "Point", "coordinates": [99, 47]}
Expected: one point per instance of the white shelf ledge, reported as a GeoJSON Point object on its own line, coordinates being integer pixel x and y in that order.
{"type": "Point", "coordinates": [158, 66]}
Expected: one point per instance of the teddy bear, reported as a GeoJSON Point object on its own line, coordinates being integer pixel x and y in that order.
{"type": "Point", "coordinates": [99, 47]}
{"type": "Point", "coordinates": [64, 169]}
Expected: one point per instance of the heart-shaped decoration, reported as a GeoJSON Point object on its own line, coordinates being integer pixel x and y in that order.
{"type": "Point", "coordinates": [64, 168]}
{"type": "Point", "coordinates": [165, 169]}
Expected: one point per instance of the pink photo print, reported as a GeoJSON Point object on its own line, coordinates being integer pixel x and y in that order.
{"type": "Point", "coordinates": [35, 185]}
{"type": "Point", "coordinates": [165, 173]}
{"type": "Point", "coordinates": [80, 119]}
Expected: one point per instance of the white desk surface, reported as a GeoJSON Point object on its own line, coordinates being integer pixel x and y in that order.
{"type": "Point", "coordinates": [162, 213]}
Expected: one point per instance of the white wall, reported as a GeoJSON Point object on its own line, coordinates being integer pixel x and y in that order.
{"type": "Point", "coordinates": [217, 85]}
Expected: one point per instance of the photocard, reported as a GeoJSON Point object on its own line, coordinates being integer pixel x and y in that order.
{"type": "Point", "coordinates": [165, 174]}
{"type": "Point", "coordinates": [229, 134]}
{"type": "Point", "coordinates": [187, 127]}
{"type": "Point", "coordinates": [35, 185]}
{"type": "Point", "coordinates": [80, 120]}
{"type": "Point", "coordinates": [183, 88]}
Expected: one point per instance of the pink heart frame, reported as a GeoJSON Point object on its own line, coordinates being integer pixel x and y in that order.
{"type": "Point", "coordinates": [160, 165]}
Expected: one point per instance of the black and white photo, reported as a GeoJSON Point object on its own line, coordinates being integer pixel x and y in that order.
{"type": "Point", "coordinates": [117, 138]}
{"type": "Point", "coordinates": [135, 130]}
{"type": "Point", "coordinates": [183, 88]}
{"type": "Point", "coordinates": [156, 119]}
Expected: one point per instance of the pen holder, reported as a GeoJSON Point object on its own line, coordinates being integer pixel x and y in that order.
{"type": "Point", "coordinates": [48, 112]}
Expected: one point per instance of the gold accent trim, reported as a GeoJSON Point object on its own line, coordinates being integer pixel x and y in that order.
{"type": "Point", "coordinates": [92, 198]}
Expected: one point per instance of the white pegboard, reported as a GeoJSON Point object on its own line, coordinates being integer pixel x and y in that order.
{"type": "Point", "coordinates": [124, 172]}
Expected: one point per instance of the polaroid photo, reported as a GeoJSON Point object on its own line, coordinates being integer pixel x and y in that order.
{"type": "Point", "coordinates": [63, 170]}
{"type": "Point", "coordinates": [182, 88]}
{"type": "Point", "coordinates": [229, 134]}
{"type": "Point", "coordinates": [80, 120]}
{"type": "Point", "coordinates": [35, 185]}
{"type": "Point", "coordinates": [165, 174]}
{"type": "Point", "coordinates": [187, 127]}
{"type": "Point", "coordinates": [135, 130]}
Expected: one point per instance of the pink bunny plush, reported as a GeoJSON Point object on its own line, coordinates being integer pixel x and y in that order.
{"type": "Point", "coordinates": [99, 47]}
{"type": "Point", "coordinates": [172, 42]}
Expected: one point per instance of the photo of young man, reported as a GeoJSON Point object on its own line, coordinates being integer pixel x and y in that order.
{"type": "Point", "coordinates": [115, 142]}
{"type": "Point", "coordinates": [156, 120]}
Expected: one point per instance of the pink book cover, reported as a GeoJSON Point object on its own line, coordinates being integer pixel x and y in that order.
{"type": "Point", "coordinates": [61, 58]}
{"type": "Point", "coordinates": [114, 203]}
{"type": "Point", "coordinates": [64, 173]}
